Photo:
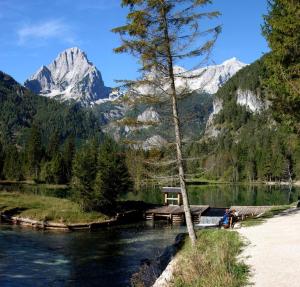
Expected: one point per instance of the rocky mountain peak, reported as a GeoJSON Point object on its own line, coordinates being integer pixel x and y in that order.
{"type": "Point", "coordinates": [71, 76]}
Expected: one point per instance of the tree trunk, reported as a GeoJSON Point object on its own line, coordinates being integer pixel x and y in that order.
{"type": "Point", "coordinates": [186, 206]}
{"type": "Point", "coordinates": [187, 210]}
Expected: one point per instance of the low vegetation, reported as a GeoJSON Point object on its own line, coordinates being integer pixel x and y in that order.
{"type": "Point", "coordinates": [45, 208]}
{"type": "Point", "coordinates": [261, 219]}
{"type": "Point", "coordinates": [213, 261]}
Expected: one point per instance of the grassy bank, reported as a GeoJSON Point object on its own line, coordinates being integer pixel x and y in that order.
{"type": "Point", "coordinates": [251, 221]}
{"type": "Point", "coordinates": [213, 262]}
{"type": "Point", "coordinates": [38, 207]}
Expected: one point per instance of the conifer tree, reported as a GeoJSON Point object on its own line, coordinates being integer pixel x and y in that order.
{"type": "Point", "coordinates": [84, 174]}
{"type": "Point", "coordinates": [34, 150]}
{"type": "Point", "coordinates": [161, 33]}
{"type": "Point", "coordinates": [53, 145]}
{"type": "Point", "coordinates": [113, 178]}
{"type": "Point", "coordinates": [68, 155]}
{"type": "Point", "coordinates": [282, 31]}
{"type": "Point", "coordinates": [12, 165]}
{"type": "Point", "coordinates": [1, 160]}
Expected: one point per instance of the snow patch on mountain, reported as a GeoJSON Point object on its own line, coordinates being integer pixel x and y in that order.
{"type": "Point", "coordinates": [69, 77]}
{"type": "Point", "coordinates": [211, 78]}
{"type": "Point", "coordinates": [207, 80]}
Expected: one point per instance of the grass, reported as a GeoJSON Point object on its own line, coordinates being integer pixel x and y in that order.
{"type": "Point", "coordinates": [213, 262]}
{"type": "Point", "coordinates": [252, 221]}
{"type": "Point", "coordinates": [39, 207]}
{"type": "Point", "coordinates": [32, 183]}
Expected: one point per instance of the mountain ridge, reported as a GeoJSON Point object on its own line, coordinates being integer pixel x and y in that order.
{"type": "Point", "coordinates": [71, 76]}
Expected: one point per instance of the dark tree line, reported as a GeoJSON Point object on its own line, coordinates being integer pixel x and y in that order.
{"type": "Point", "coordinates": [96, 170]}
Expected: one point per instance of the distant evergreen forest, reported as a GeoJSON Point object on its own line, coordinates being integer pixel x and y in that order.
{"type": "Point", "coordinates": [250, 146]}
{"type": "Point", "coordinates": [58, 143]}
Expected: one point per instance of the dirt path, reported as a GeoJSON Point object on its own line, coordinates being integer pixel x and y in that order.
{"type": "Point", "coordinates": [274, 251]}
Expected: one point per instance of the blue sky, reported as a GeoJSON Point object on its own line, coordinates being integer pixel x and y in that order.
{"type": "Point", "coordinates": [33, 32]}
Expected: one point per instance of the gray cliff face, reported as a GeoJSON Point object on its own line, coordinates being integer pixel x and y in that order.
{"type": "Point", "coordinates": [247, 98]}
{"type": "Point", "coordinates": [211, 130]}
{"type": "Point", "coordinates": [251, 101]}
{"type": "Point", "coordinates": [70, 77]}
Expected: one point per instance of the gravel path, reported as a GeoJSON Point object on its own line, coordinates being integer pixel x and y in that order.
{"type": "Point", "coordinates": [274, 251]}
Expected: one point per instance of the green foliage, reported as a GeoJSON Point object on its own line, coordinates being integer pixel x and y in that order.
{"type": "Point", "coordinates": [33, 130]}
{"type": "Point", "coordinates": [213, 262]}
{"type": "Point", "coordinates": [48, 208]}
{"type": "Point", "coordinates": [53, 145]}
{"type": "Point", "coordinates": [54, 171]}
{"type": "Point", "coordinates": [159, 32]}
{"type": "Point", "coordinates": [1, 160]}
{"type": "Point", "coordinates": [99, 175]}
{"type": "Point", "coordinates": [84, 174]}
{"type": "Point", "coordinates": [68, 155]}
{"type": "Point", "coordinates": [34, 151]}
{"type": "Point", "coordinates": [282, 31]}
{"type": "Point", "coordinates": [19, 109]}
{"type": "Point", "coordinates": [250, 146]}
{"type": "Point", "coordinates": [12, 165]}
{"type": "Point", "coordinates": [112, 171]}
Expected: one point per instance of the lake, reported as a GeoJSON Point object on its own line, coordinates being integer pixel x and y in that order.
{"type": "Point", "coordinates": [225, 195]}
{"type": "Point", "coordinates": [105, 258]}
{"type": "Point", "coordinates": [108, 257]}
{"type": "Point", "coordinates": [216, 195]}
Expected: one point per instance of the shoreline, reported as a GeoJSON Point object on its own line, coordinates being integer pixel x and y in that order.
{"type": "Point", "coordinates": [189, 182]}
{"type": "Point", "coordinates": [119, 219]}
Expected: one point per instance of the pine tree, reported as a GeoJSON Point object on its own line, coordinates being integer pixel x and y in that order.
{"type": "Point", "coordinates": [112, 171]}
{"type": "Point", "coordinates": [12, 165]}
{"type": "Point", "coordinates": [53, 145]}
{"type": "Point", "coordinates": [1, 160]}
{"type": "Point", "coordinates": [161, 33]}
{"type": "Point", "coordinates": [34, 150]}
{"type": "Point", "coordinates": [282, 31]}
{"type": "Point", "coordinates": [84, 170]}
{"type": "Point", "coordinates": [68, 155]}
{"type": "Point", "coordinates": [58, 169]}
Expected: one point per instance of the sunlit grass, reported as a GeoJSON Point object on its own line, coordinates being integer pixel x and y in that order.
{"type": "Point", "coordinates": [213, 261]}
{"type": "Point", "coordinates": [40, 207]}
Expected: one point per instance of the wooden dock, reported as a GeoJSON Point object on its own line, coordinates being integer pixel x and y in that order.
{"type": "Point", "coordinates": [175, 213]}
{"type": "Point", "coordinates": [245, 211]}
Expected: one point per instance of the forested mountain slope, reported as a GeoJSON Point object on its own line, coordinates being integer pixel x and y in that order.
{"type": "Point", "coordinates": [19, 109]}
{"type": "Point", "coordinates": [247, 142]}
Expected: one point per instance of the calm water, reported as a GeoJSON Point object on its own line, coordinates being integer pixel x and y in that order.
{"type": "Point", "coordinates": [221, 195]}
{"type": "Point", "coordinates": [108, 257]}
{"type": "Point", "coordinates": [103, 258]}
{"type": "Point", "coordinates": [228, 195]}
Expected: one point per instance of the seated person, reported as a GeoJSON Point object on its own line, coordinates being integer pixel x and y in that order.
{"type": "Point", "coordinates": [233, 217]}
{"type": "Point", "coordinates": [225, 219]}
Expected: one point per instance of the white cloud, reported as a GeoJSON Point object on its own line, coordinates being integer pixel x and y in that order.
{"type": "Point", "coordinates": [43, 31]}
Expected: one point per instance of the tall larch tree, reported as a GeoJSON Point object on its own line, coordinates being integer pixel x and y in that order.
{"type": "Point", "coordinates": [162, 33]}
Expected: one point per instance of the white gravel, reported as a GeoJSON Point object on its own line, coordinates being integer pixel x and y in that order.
{"type": "Point", "coordinates": [274, 251]}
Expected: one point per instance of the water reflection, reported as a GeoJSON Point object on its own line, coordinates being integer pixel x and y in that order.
{"type": "Point", "coordinates": [227, 195]}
